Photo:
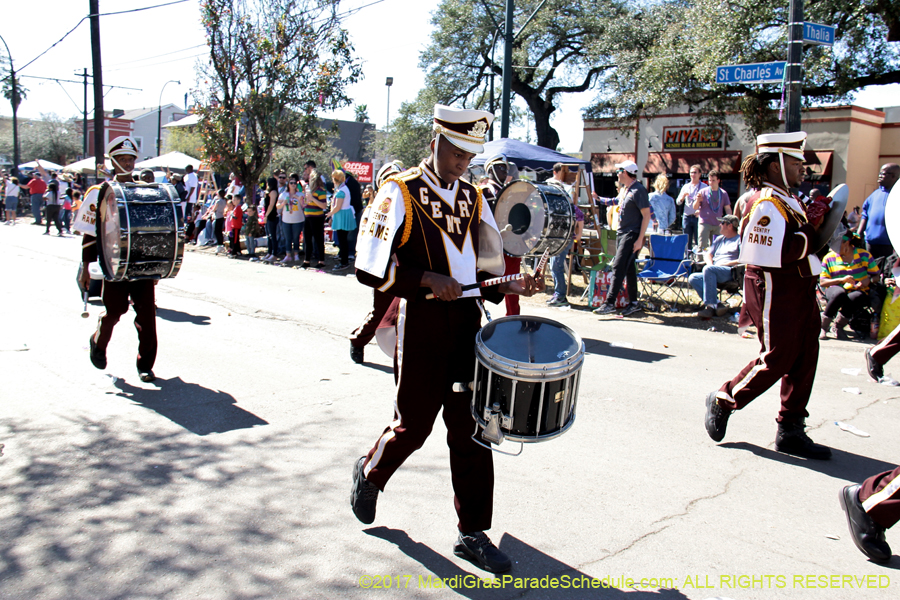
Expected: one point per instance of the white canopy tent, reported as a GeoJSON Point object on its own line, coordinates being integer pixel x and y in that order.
{"type": "Point", "coordinates": [188, 121]}
{"type": "Point", "coordinates": [30, 166]}
{"type": "Point", "coordinates": [84, 166]}
{"type": "Point", "coordinates": [173, 160]}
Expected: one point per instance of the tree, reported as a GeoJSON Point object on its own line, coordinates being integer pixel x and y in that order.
{"type": "Point", "coordinates": [557, 53]}
{"type": "Point", "coordinates": [185, 140]}
{"type": "Point", "coordinates": [673, 48]}
{"type": "Point", "coordinates": [49, 138]}
{"type": "Point", "coordinates": [409, 135]}
{"type": "Point", "coordinates": [273, 65]}
{"type": "Point", "coordinates": [361, 113]}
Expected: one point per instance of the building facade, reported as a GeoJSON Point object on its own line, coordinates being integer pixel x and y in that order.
{"type": "Point", "coordinates": [846, 144]}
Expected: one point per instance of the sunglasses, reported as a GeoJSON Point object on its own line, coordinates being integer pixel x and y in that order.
{"type": "Point", "coordinates": [620, 170]}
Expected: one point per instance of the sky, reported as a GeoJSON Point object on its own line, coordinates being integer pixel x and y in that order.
{"type": "Point", "coordinates": [148, 48]}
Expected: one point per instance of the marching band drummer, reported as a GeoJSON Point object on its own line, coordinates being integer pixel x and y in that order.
{"type": "Point", "coordinates": [437, 227]}
{"type": "Point", "coordinates": [780, 296]}
{"type": "Point", "coordinates": [122, 152]}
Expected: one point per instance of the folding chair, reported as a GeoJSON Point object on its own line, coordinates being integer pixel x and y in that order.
{"type": "Point", "coordinates": [665, 269]}
{"type": "Point", "coordinates": [597, 256]}
{"type": "Point", "coordinates": [735, 287]}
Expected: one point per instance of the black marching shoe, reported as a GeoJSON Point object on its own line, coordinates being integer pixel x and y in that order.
{"type": "Point", "coordinates": [478, 548]}
{"type": "Point", "coordinates": [792, 439]}
{"type": "Point", "coordinates": [363, 494]}
{"type": "Point", "coordinates": [866, 533]}
{"type": "Point", "coordinates": [876, 371]}
{"type": "Point", "coordinates": [98, 357]}
{"type": "Point", "coordinates": [147, 375]}
{"type": "Point", "coordinates": [356, 354]}
{"type": "Point", "coordinates": [716, 417]}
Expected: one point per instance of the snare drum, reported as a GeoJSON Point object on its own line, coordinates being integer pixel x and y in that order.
{"type": "Point", "coordinates": [527, 372]}
{"type": "Point", "coordinates": [140, 231]}
{"type": "Point", "coordinates": [533, 217]}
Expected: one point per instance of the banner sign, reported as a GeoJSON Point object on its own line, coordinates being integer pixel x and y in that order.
{"type": "Point", "coordinates": [692, 138]}
{"type": "Point", "coordinates": [361, 170]}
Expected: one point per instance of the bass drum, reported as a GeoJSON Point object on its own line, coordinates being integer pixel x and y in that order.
{"type": "Point", "coordinates": [527, 373]}
{"type": "Point", "coordinates": [140, 231]}
{"type": "Point", "coordinates": [533, 217]}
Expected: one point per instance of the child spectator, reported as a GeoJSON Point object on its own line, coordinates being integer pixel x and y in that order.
{"type": "Point", "coordinates": [234, 224]}
{"type": "Point", "coordinates": [252, 230]}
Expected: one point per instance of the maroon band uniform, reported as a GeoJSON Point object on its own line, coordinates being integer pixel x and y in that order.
{"type": "Point", "coordinates": [780, 301]}
{"type": "Point", "coordinates": [420, 224]}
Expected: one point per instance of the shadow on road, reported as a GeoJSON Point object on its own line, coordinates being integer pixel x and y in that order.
{"type": "Point", "coordinates": [530, 566]}
{"type": "Point", "coordinates": [382, 368]}
{"type": "Point", "coordinates": [176, 316]}
{"type": "Point", "coordinates": [198, 409]}
{"type": "Point", "coordinates": [603, 348]}
{"type": "Point", "coordinates": [843, 465]}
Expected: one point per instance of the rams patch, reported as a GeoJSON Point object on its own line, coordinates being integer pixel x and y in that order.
{"type": "Point", "coordinates": [385, 206]}
{"type": "Point", "coordinates": [764, 221]}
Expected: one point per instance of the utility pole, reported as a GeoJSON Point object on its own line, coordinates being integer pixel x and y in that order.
{"type": "Point", "coordinates": [794, 70]}
{"type": "Point", "coordinates": [84, 115]}
{"type": "Point", "coordinates": [507, 70]}
{"type": "Point", "coordinates": [99, 119]}
{"type": "Point", "coordinates": [14, 86]}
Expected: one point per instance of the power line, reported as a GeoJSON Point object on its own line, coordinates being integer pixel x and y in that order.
{"type": "Point", "coordinates": [122, 12]}
{"type": "Point", "coordinates": [156, 63]}
{"type": "Point", "coordinates": [128, 62]}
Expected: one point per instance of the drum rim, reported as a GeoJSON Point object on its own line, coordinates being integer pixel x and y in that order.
{"type": "Point", "coordinates": [543, 242]}
{"type": "Point", "coordinates": [531, 371]}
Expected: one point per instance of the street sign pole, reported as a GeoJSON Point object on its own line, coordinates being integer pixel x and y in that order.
{"type": "Point", "coordinates": [794, 67]}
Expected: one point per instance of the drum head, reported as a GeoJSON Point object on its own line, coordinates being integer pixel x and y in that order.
{"type": "Point", "coordinates": [520, 216]}
{"type": "Point", "coordinates": [530, 340]}
{"type": "Point", "coordinates": [109, 234]}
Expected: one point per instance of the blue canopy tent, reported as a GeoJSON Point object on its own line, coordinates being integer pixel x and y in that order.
{"type": "Point", "coordinates": [528, 156]}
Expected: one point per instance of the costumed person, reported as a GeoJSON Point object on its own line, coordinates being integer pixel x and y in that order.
{"type": "Point", "coordinates": [430, 231]}
{"type": "Point", "coordinates": [779, 296]}
{"type": "Point", "coordinates": [122, 152]}
{"type": "Point", "coordinates": [384, 306]}
{"type": "Point", "coordinates": [498, 175]}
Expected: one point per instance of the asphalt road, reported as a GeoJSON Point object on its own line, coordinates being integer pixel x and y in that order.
{"type": "Point", "coordinates": [229, 476]}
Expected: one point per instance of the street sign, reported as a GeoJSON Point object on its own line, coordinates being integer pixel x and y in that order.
{"type": "Point", "coordinates": [771, 72]}
{"type": "Point", "coordinates": [822, 35]}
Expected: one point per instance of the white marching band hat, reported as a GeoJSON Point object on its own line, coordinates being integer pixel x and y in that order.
{"type": "Point", "coordinates": [791, 144]}
{"type": "Point", "coordinates": [122, 145]}
{"type": "Point", "coordinates": [464, 128]}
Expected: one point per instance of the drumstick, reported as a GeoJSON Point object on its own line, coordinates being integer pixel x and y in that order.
{"type": "Point", "coordinates": [85, 314]}
{"type": "Point", "coordinates": [484, 284]}
{"type": "Point", "coordinates": [541, 264]}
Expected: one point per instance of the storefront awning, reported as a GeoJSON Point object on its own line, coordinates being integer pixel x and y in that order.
{"type": "Point", "coordinates": [818, 163]}
{"type": "Point", "coordinates": [680, 162]}
{"type": "Point", "coordinates": [606, 162]}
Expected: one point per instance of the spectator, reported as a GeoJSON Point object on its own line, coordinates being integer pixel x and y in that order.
{"type": "Point", "coordinates": [343, 220]}
{"type": "Point", "coordinates": [853, 218]}
{"type": "Point", "coordinates": [252, 230]}
{"type": "Point", "coordinates": [67, 210]}
{"type": "Point", "coordinates": [368, 195]}
{"type": "Point", "coordinates": [740, 207]}
{"type": "Point", "coordinates": [291, 202]}
{"type": "Point", "coordinates": [662, 204]}
{"type": "Point", "coordinates": [558, 262]}
{"type": "Point", "coordinates": [36, 188]}
{"type": "Point", "coordinates": [218, 209]}
{"type": "Point", "coordinates": [688, 194]}
{"type": "Point", "coordinates": [54, 203]}
{"type": "Point", "coordinates": [192, 187]}
{"type": "Point", "coordinates": [147, 176]}
{"type": "Point", "coordinates": [314, 225]}
{"type": "Point", "coordinates": [234, 224]}
{"type": "Point", "coordinates": [634, 216]}
{"type": "Point", "coordinates": [271, 219]}
{"type": "Point", "coordinates": [718, 260]}
{"type": "Point", "coordinates": [871, 223]}
{"type": "Point", "coordinates": [12, 199]}
{"type": "Point", "coordinates": [846, 277]}
{"type": "Point", "coordinates": [711, 203]}
{"type": "Point", "coordinates": [357, 203]}
{"type": "Point", "coordinates": [281, 176]}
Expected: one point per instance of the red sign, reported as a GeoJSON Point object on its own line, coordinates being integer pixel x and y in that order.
{"type": "Point", "coordinates": [361, 170]}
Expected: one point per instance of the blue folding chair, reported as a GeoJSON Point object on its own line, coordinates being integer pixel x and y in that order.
{"type": "Point", "coordinates": [666, 270]}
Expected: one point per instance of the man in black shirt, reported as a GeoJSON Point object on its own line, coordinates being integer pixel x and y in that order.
{"type": "Point", "coordinates": [634, 217]}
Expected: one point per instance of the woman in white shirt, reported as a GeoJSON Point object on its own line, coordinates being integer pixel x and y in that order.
{"type": "Point", "coordinates": [12, 199]}
{"type": "Point", "coordinates": [291, 203]}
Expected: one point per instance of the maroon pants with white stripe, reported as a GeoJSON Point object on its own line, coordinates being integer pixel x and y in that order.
{"type": "Point", "coordinates": [363, 334]}
{"type": "Point", "coordinates": [880, 496]}
{"type": "Point", "coordinates": [115, 300]}
{"type": "Point", "coordinates": [435, 349]}
{"type": "Point", "coordinates": [783, 308]}
{"type": "Point", "coordinates": [887, 348]}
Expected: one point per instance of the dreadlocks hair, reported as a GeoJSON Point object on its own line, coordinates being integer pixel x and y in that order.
{"type": "Point", "coordinates": [755, 169]}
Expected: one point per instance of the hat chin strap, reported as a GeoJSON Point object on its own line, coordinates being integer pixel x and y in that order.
{"type": "Point", "coordinates": [783, 176]}
{"type": "Point", "coordinates": [119, 168]}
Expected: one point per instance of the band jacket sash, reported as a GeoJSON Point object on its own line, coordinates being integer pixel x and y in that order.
{"type": "Point", "coordinates": [417, 223]}
{"type": "Point", "coordinates": [775, 234]}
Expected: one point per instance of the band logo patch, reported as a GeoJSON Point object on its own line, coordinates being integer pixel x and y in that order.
{"type": "Point", "coordinates": [764, 221]}
{"type": "Point", "coordinates": [385, 205]}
